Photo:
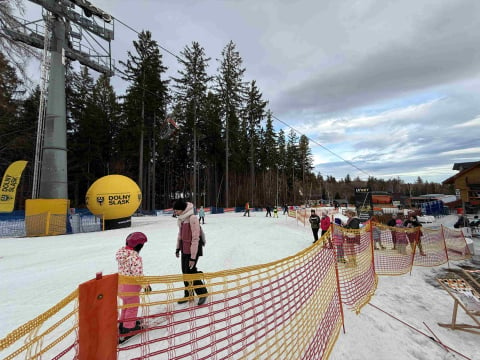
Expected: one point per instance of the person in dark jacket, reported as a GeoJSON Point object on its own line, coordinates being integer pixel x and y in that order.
{"type": "Point", "coordinates": [353, 222]}
{"type": "Point", "coordinates": [393, 223]}
{"type": "Point", "coordinates": [416, 236]}
{"type": "Point", "coordinates": [461, 222]}
{"type": "Point", "coordinates": [314, 220]}
{"type": "Point", "coordinates": [188, 245]}
{"type": "Point", "coordinates": [269, 211]}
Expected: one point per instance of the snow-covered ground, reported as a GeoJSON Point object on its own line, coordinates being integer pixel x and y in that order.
{"type": "Point", "coordinates": [38, 272]}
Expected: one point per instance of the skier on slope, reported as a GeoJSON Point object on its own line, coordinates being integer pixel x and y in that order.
{"type": "Point", "coordinates": [189, 245]}
{"type": "Point", "coordinates": [130, 264]}
{"type": "Point", "coordinates": [314, 220]}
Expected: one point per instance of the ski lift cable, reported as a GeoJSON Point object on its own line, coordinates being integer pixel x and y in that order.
{"type": "Point", "coordinates": [138, 33]}
{"type": "Point", "coordinates": [276, 118]}
{"type": "Point", "coordinates": [322, 146]}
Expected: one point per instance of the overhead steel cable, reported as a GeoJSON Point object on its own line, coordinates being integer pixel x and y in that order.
{"type": "Point", "coordinates": [322, 146]}
{"type": "Point", "coordinates": [276, 118]}
{"type": "Point", "coordinates": [138, 33]}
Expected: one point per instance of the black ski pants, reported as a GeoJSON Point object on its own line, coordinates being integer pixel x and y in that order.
{"type": "Point", "coordinates": [186, 270]}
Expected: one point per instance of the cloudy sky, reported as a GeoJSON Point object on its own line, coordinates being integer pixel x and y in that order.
{"type": "Point", "coordinates": [382, 88]}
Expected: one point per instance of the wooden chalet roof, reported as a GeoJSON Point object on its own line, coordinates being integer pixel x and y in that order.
{"type": "Point", "coordinates": [464, 168]}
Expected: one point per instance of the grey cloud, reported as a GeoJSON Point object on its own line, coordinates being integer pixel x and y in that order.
{"type": "Point", "coordinates": [440, 49]}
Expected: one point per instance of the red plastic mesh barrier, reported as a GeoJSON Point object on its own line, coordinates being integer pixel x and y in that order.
{"type": "Point", "coordinates": [353, 253]}
{"type": "Point", "coordinates": [288, 309]}
{"type": "Point", "coordinates": [51, 335]}
{"type": "Point", "coordinates": [455, 244]}
{"type": "Point", "coordinates": [301, 216]}
{"type": "Point", "coordinates": [417, 246]}
{"type": "Point", "coordinates": [394, 259]}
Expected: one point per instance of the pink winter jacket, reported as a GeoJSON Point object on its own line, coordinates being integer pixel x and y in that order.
{"type": "Point", "coordinates": [189, 232]}
{"type": "Point", "coordinates": [325, 223]}
{"type": "Point", "coordinates": [129, 262]}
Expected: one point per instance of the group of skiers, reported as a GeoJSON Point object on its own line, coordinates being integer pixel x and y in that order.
{"type": "Point", "coordinates": [402, 239]}
{"type": "Point", "coordinates": [189, 248]}
{"type": "Point", "coordinates": [346, 242]}
{"type": "Point", "coordinates": [268, 210]}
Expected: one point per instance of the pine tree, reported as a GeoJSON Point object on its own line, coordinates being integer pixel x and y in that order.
{"type": "Point", "coordinates": [291, 168]}
{"type": "Point", "coordinates": [144, 112]}
{"type": "Point", "coordinates": [107, 113]}
{"type": "Point", "coordinates": [231, 91]}
{"type": "Point", "coordinates": [282, 165]}
{"type": "Point", "coordinates": [305, 161]}
{"type": "Point", "coordinates": [25, 129]}
{"type": "Point", "coordinates": [9, 84]}
{"type": "Point", "coordinates": [190, 93]}
{"type": "Point", "coordinates": [269, 161]}
{"type": "Point", "coordinates": [254, 113]}
{"type": "Point", "coordinates": [81, 123]}
{"type": "Point", "coordinates": [269, 146]}
{"type": "Point", "coordinates": [213, 149]}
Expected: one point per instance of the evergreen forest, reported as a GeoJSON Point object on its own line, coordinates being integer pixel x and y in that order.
{"type": "Point", "coordinates": [224, 152]}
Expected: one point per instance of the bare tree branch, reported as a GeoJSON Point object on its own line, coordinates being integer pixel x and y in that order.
{"type": "Point", "coordinates": [17, 53]}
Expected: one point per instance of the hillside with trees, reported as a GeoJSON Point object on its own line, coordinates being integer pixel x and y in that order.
{"type": "Point", "coordinates": [225, 151]}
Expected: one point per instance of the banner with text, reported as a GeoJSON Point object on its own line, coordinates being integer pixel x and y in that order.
{"type": "Point", "coordinates": [8, 188]}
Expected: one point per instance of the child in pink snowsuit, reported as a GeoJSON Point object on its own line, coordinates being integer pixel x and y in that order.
{"type": "Point", "coordinates": [130, 264]}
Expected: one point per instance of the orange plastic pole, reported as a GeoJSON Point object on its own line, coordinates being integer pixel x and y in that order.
{"type": "Point", "coordinates": [445, 245]}
{"type": "Point", "coordinates": [337, 276]}
{"type": "Point", "coordinates": [47, 225]}
{"type": "Point", "coordinates": [372, 243]}
{"type": "Point", "coordinates": [98, 334]}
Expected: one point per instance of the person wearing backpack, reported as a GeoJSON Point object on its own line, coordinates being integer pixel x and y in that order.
{"type": "Point", "coordinates": [189, 248]}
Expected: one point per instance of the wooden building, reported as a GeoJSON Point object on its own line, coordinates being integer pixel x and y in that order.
{"type": "Point", "coordinates": [467, 183]}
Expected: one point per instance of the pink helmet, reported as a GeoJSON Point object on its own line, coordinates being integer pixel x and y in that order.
{"type": "Point", "coordinates": [136, 238]}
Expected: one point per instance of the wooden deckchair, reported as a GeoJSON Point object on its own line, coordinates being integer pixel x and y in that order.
{"type": "Point", "coordinates": [468, 299]}
{"type": "Point", "coordinates": [469, 274]}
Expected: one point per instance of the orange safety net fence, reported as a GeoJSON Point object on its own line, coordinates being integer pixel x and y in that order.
{"type": "Point", "coordinates": [353, 254]}
{"type": "Point", "coordinates": [51, 335]}
{"type": "Point", "coordinates": [286, 309]}
{"type": "Point", "coordinates": [291, 308]}
{"type": "Point", "coordinates": [401, 248]}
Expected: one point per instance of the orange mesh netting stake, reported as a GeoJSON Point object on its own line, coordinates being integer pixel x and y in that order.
{"type": "Point", "coordinates": [288, 308]}
{"type": "Point", "coordinates": [291, 308]}
{"type": "Point", "coordinates": [98, 318]}
{"type": "Point", "coordinates": [356, 270]}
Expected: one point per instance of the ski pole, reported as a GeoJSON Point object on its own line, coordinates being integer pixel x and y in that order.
{"type": "Point", "coordinates": [436, 337]}
{"type": "Point", "coordinates": [421, 332]}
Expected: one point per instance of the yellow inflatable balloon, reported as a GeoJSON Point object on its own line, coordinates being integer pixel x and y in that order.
{"type": "Point", "coordinates": [113, 197]}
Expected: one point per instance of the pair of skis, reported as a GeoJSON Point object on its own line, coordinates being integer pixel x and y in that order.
{"type": "Point", "coordinates": [124, 338]}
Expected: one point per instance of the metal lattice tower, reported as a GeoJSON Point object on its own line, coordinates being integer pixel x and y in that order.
{"type": "Point", "coordinates": [42, 106]}
{"type": "Point", "coordinates": [62, 38]}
